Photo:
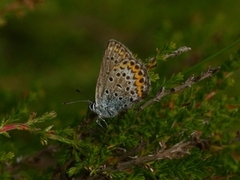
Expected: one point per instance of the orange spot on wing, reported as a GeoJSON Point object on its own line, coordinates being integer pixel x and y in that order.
{"type": "Point", "coordinates": [122, 54]}
{"type": "Point", "coordinates": [139, 77]}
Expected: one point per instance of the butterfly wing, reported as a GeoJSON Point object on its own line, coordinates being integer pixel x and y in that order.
{"type": "Point", "coordinates": [115, 53]}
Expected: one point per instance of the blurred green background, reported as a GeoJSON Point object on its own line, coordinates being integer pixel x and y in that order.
{"type": "Point", "coordinates": [50, 48]}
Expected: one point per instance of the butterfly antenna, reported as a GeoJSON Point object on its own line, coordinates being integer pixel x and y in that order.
{"type": "Point", "coordinates": [72, 102]}
{"type": "Point", "coordinates": [84, 93]}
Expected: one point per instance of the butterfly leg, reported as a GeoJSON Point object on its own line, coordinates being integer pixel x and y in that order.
{"type": "Point", "coordinates": [98, 121]}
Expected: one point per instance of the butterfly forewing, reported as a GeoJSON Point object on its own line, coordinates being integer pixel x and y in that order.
{"type": "Point", "coordinates": [115, 53]}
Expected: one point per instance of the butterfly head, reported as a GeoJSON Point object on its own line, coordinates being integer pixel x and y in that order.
{"type": "Point", "coordinates": [92, 105]}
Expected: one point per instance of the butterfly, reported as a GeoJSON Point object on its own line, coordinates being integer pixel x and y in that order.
{"type": "Point", "coordinates": [122, 81]}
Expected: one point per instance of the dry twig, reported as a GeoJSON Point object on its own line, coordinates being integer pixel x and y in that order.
{"type": "Point", "coordinates": [188, 83]}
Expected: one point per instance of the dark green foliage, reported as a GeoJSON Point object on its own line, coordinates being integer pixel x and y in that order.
{"type": "Point", "coordinates": [99, 152]}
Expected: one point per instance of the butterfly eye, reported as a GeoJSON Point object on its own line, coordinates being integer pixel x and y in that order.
{"type": "Point", "coordinates": [91, 106]}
